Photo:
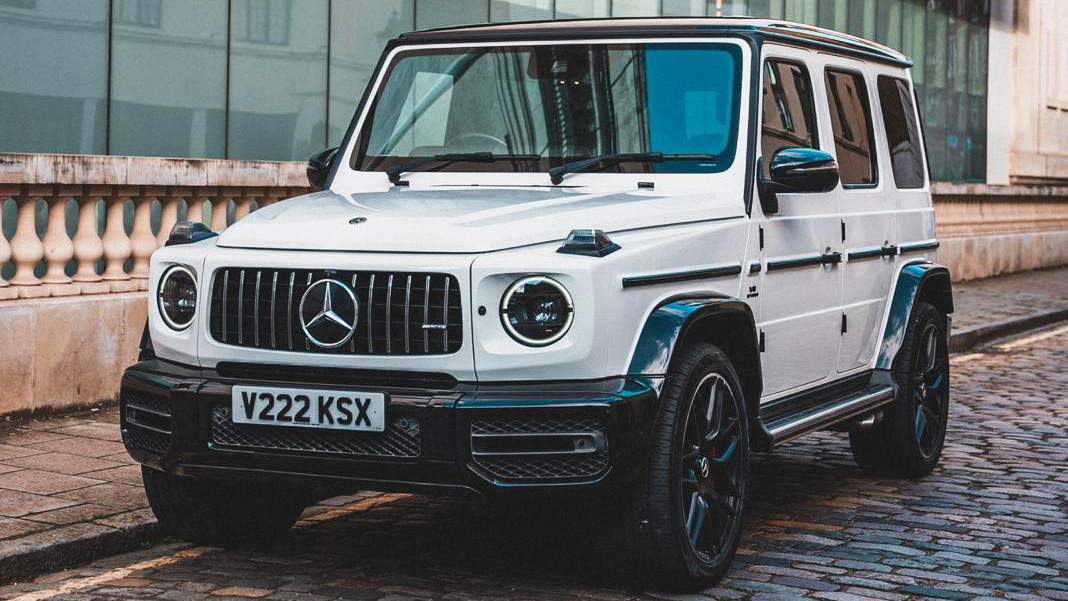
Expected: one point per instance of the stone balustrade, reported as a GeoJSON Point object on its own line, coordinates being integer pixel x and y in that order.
{"type": "Point", "coordinates": [137, 201]}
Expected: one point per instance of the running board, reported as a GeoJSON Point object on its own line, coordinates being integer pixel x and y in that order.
{"type": "Point", "coordinates": [818, 417]}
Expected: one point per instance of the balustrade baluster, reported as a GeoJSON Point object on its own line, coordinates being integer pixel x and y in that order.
{"type": "Point", "coordinates": [58, 247]}
{"type": "Point", "coordinates": [117, 246]}
{"type": "Point", "coordinates": [219, 207]}
{"type": "Point", "coordinates": [88, 247]}
{"type": "Point", "coordinates": [142, 240]}
{"type": "Point", "coordinates": [26, 248]}
{"type": "Point", "coordinates": [168, 213]}
{"type": "Point", "coordinates": [6, 290]}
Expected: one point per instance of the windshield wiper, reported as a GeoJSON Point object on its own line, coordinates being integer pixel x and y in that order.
{"type": "Point", "coordinates": [394, 172]}
{"type": "Point", "coordinates": [556, 174]}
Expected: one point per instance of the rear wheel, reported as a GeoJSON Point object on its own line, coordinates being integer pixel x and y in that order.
{"type": "Point", "coordinates": [692, 500]}
{"type": "Point", "coordinates": [218, 513]}
{"type": "Point", "coordinates": [908, 441]}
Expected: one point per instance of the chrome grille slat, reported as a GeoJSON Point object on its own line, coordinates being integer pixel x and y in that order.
{"type": "Point", "coordinates": [265, 304]}
{"type": "Point", "coordinates": [289, 310]}
{"type": "Point", "coordinates": [226, 286]}
{"type": "Point", "coordinates": [426, 316]}
{"type": "Point", "coordinates": [256, 309]}
{"type": "Point", "coordinates": [241, 309]}
{"type": "Point", "coordinates": [274, 295]}
{"type": "Point", "coordinates": [389, 320]}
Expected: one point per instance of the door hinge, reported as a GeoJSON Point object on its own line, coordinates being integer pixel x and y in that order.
{"type": "Point", "coordinates": [845, 324]}
{"type": "Point", "coordinates": [761, 228]}
{"type": "Point", "coordinates": [843, 230]}
{"type": "Point", "coordinates": [762, 341]}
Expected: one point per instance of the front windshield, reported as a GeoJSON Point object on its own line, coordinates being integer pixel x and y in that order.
{"type": "Point", "coordinates": [536, 107]}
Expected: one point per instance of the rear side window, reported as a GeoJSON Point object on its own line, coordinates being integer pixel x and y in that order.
{"type": "Point", "coordinates": [902, 132]}
{"type": "Point", "coordinates": [788, 118]}
{"type": "Point", "coordinates": [851, 121]}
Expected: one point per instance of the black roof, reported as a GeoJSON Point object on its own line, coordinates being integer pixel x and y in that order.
{"type": "Point", "coordinates": [796, 34]}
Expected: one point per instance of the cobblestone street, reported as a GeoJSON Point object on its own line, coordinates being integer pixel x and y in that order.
{"type": "Point", "coordinates": [989, 523]}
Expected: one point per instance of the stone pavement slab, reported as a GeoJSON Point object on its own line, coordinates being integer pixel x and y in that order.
{"type": "Point", "coordinates": [1005, 297]}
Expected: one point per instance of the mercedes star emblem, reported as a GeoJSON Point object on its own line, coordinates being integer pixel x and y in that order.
{"type": "Point", "coordinates": [328, 313]}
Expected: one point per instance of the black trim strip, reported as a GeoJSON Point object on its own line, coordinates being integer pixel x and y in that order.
{"type": "Point", "coordinates": [755, 267]}
{"type": "Point", "coordinates": [682, 276]}
{"type": "Point", "coordinates": [860, 255]}
{"type": "Point", "coordinates": [795, 263]}
{"type": "Point", "coordinates": [918, 247]}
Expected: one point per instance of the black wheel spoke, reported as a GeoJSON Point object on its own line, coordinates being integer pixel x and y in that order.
{"type": "Point", "coordinates": [709, 468]}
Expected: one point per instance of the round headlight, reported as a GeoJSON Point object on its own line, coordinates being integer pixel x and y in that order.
{"type": "Point", "coordinates": [536, 311]}
{"type": "Point", "coordinates": [177, 297]}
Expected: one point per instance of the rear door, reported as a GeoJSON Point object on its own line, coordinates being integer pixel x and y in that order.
{"type": "Point", "coordinates": [801, 287]}
{"type": "Point", "coordinates": [866, 204]}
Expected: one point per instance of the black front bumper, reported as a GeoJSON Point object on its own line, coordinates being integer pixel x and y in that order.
{"type": "Point", "coordinates": [176, 418]}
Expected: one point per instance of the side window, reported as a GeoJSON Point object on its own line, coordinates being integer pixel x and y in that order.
{"type": "Point", "coordinates": [847, 97]}
{"type": "Point", "coordinates": [787, 109]}
{"type": "Point", "coordinates": [902, 132]}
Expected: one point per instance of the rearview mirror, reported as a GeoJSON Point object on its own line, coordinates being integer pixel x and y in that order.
{"type": "Point", "coordinates": [319, 167]}
{"type": "Point", "coordinates": [796, 171]}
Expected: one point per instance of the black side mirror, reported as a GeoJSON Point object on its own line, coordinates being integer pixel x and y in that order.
{"type": "Point", "coordinates": [796, 171]}
{"type": "Point", "coordinates": [319, 167]}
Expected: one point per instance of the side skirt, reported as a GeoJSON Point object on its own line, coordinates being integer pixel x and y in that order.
{"type": "Point", "coordinates": [824, 406]}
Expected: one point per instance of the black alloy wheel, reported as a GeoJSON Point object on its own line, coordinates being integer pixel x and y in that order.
{"type": "Point", "coordinates": [908, 441]}
{"type": "Point", "coordinates": [682, 520]}
{"type": "Point", "coordinates": [931, 390]}
{"type": "Point", "coordinates": [711, 476]}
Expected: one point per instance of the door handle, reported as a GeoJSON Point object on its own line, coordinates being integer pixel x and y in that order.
{"type": "Point", "coordinates": [831, 258]}
{"type": "Point", "coordinates": [890, 250]}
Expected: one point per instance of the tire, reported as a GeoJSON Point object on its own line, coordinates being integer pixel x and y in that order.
{"type": "Point", "coordinates": [226, 514]}
{"type": "Point", "coordinates": [668, 543]}
{"type": "Point", "coordinates": [908, 442]}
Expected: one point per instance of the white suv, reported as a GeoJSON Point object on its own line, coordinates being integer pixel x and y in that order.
{"type": "Point", "coordinates": [601, 258]}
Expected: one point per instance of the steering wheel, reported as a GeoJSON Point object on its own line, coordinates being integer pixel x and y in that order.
{"type": "Point", "coordinates": [476, 135]}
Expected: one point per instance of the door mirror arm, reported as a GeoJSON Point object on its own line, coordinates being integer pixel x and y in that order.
{"type": "Point", "coordinates": [319, 167]}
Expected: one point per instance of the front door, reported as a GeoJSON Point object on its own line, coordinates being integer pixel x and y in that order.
{"type": "Point", "coordinates": [801, 287]}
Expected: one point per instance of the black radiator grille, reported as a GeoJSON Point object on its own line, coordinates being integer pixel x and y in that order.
{"type": "Point", "coordinates": [260, 308]}
{"type": "Point", "coordinates": [400, 440]}
{"type": "Point", "coordinates": [147, 420]}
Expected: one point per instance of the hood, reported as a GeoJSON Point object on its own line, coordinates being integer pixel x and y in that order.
{"type": "Point", "coordinates": [469, 219]}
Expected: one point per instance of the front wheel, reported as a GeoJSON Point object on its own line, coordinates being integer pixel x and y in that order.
{"type": "Point", "coordinates": [693, 497]}
{"type": "Point", "coordinates": [908, 441]}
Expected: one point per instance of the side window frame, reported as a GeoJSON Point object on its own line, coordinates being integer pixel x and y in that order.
{"type": "Point", "coordinates": [810, 113]}
{"type": "Point", "coordinates": [921, 140]}
{"type": "Point", "coordinates": [869, 123]}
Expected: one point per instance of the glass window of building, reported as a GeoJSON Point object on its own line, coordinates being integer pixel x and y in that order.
{"type": "Point", "coordinates": [685, 8]}
{"type": "Point", "coordinates": [847, 97]}
{"type": "Point", "coordinates": [577, 9]}
{"type": "Point", "coordinates": [359, 30]}
{"type": "Point", "coordinates": [902, 132]}
{"type": "Point", "coordinates": [520, 10]}
{"type": "Point", "coordinates": [439, 13]}
{"type": "Point", "coordinates": [54, 76]}
{"type": "Point", "coordinates": [169, 78]}
{"type": "Point", "coordinates": [788, 118]}
{"type": "Point", "coordinates": [635, 8]}
{"type": "Point", "coordinates": [277, 79]}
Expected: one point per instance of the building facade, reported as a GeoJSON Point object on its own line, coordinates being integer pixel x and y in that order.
{"type": "Point", "coordinates": [279, 79]}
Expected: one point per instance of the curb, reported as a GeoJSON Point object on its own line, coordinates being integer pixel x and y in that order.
{"type": "Point", "coordinates": [970, 337]}
{"type": "Point", "coordinates": [25, 558]}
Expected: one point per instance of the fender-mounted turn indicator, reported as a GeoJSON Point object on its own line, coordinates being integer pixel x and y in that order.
{"type": "Point", "coordinates": [590, 243]}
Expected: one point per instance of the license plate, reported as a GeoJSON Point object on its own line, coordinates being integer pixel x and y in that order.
{"type": "Point", "coordinates": [302, 407]}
